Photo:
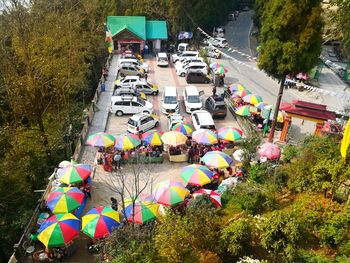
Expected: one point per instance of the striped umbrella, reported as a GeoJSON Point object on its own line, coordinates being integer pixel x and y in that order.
{"type": "Point", "coordinates": [236, 87]}
{"type": "Point", "coordinates": [174, 138]}
{"type": "Point", "coordinates": [252, 99]}
{"type": "Point", "coordinates": [152, 138]}
{"type": "Point", "coordinates": [101, 139]}
{"type": "Point", "coordinates": [184, 128]}
{"type": "Point", "coordinates": [230, 134]}
{"type": "Point", "coordinates": [206, 137]}
{"type": "Point", "coordinates": [246, 110]}
{"type": "Point", "coordinates": [75, 173]}
{"type": "Point", "coordinates": [214, 196]}
{"type": "Point", "coordinates": [196, 174]}
{"type": "Point", "coordinates": [261, 105]}
{"type": "Point", "coordinates": [100, 221]}
{"type": "Point", "coordinates": [242, 93]}
{"type": "Point", "coordinates": [127, 142]}
{"type": "Point", "coordinates": [141, 210]}
{"type": "Point", "coordinates": [170, 193]}
{"type": "Point", "coordinates": [58, 230]}
{"type": "Point", "coordinates": [280, 116]}
{"type": "Point", "coordinates": [216, 159]}
{"type": "Point", "coordinates": [65, 200]}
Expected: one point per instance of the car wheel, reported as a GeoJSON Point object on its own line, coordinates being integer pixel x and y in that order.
{"type": "Point", "coordinates": [156, 124]}
{"type": "Point", "coordinates": [182, 74]}
{"type": "Point", "coordinates": [155, 93]}
{"type": "Point", "coordinates": [119, 113]}
{"type": "Point", "coordinates": [146, 112]}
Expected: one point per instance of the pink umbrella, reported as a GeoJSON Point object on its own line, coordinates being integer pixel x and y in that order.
{"type": "Point", "coordinates": [270, 151]}
{"type": "Point", "coordinates": [214, 196]}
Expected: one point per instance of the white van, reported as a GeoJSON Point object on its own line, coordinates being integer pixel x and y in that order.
{"type": "Point", "coordinates": [170, 102]}
{"type": "Point", "coordinates": [162, 59]}
{"type": "Point", "coordinates": [192, 99]}
{"type": "Point", "coordinates": [202, 119]}
{"type": "Point", "coordinates": [196, 66]}
{"type": "Point", "coordinates": [135, 62]}
{"type": "Point", "coordinates": [129, 105]}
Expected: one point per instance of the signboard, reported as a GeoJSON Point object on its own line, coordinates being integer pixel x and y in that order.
{"type": "Point", "coordinates": [185, 35]}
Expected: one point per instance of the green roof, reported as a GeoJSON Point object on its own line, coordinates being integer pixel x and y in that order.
{"type": "Point", "coordinates": [156, 30]}
{"type": "Point", "coordinates": [135, 24]}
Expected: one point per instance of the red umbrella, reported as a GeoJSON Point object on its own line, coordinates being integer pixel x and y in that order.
{"type": "Point", "coordinates": [270, 151]}
{"type": "Point", "coordinates": [214, 196]}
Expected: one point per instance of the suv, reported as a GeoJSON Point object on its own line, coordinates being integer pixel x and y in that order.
{"type": "Point", "coordinates": [135, 62]}
{"type": "Point", "coordinates": [145, 87]}
{"type": "Point", "coordinates": [129, 92]}
{"type": "Point", "coordinates": [198, 66]}
{"type": "Point", "coordinates": [216, 106]}
{"type": "Point", "coordinates": [126, 81]}
{"type": "Point", "coordinates": [192, 99]}
{"type": "Point", "coordinates": [129, 105]}
{"type": "Point", "coordinates": [131, 70]}
{"type": "Point", "coordinates": [141, 122]}
{"type": "Point", "coordinates": [194, 76]}
{"type": "Point", "coordinates": [185, 54]}
{"type": "Point", "coordinates": [202, 119]}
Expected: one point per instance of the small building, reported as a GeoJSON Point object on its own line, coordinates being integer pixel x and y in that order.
{"type": "Point", "coordinates": [133, 32]}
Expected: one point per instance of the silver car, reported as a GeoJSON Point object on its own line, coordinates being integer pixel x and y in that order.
{"type": "Point", "coordinates": [131, 70]}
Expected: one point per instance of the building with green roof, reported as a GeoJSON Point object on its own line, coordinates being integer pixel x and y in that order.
{"type": "Point", "coordinates": [133, 32]}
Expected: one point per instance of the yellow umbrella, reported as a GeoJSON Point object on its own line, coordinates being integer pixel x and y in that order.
{"type": "Point", "coordinates": [174, 138]}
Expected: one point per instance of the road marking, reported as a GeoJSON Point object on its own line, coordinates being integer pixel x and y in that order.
{"type": "Point", "coordinates": [250, 30]}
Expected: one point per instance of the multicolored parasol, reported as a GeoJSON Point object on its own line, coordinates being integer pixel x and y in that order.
{"type": "Point", "coordinates": [216, 65]}
{"type": "Point", "coordinates": [170, 193]}
{"type": "Point", "coordinates": [246, 110]}
{"type": "Point", "coordinates": [216, 159]}
{"type": "Point", "coordinates": [241, 93]}
{"type": "Point", "coordinates": [184, 128]}
{"type": "Point", "coordinates": [230, 134]}
{"type": "Point", "coordinates": [101, 139]}
{"type": "Point", "coordinates": [74, 173]}
{"type": "Point", "coordinates": [236, 87]}
{"type": "Point", "coordinates": [58, 230]}
{"type": "Point", "coordinates": [174, 138]}
{"type": "Point", "coordinates": [206, 137]}
{"type": "Point", "coordinates": [214, 196]}
{"type": "Point", "coordinates": [65, 200]}
{"type": "Point", "coordinates": [252, 99]}
{"type": "Point", "coordinates": [261, 105]}
{"type": "Point", "coordinates": [220, 70]}
{"type": "Point", "coordinates": [280, 116]}
{"type": "Point", "coordinates": [141, 210]}
{"type": "Point", "coordinates": [196, 174]}
{"type": "Point", "coordinates": [100, 221]}
{"type": "Point", "coordinates": [270, 151]}
{"type": "Point", "coordinates": [127, 142]}
{"type": "Point", "coordinates": [152, 138]}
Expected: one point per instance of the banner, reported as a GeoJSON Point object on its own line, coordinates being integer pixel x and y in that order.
{"type": "Point", "coordinates": [109, 39]}
{"type": "Point", "coordinates": [185, 35]}
{"type": "Point", "coordinates": [346, 141]}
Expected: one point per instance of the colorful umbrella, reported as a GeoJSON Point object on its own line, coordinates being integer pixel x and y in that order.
{"type": "Point", "coordinates": [214, 196]}
{"type": "Point", "coordinates": [126, 142]}
{"type": "Point", "coordinates": [142, 211]}
{"type": "Point", "coordinates": [246, 110]}
{"type": "Point", "coordinates": [261, 105]}
{"type": "Point", "coordinates": [100, 221]}
{"type": "Point", "coordinates": [230, 134]}
{"type": "Point", "coordinates": [65, 200]}
{"type": "Point", "coordinates": [152, 138]}
{"type": "Point", "coordinates": [170, 193]}
{"type": "Point", "coordinates": [252, 99]}
{"type": "Point", "coordinates": [75, 173]}
{"type": "Point", "coordinates": [196, 174]}
{"type": "Point", "coordinates": [184, 128]}
{"type": "Point", "coordinates": [58, 230]}
{"type": "Point", "coordinates": [220, 70]}
{"type": "Point", "coordinates": [215, 65]}
{"type": "Point", "coordinates": [174, 138]}
{"type": "Point", "coordinates": [236, 87]}
{"type": "Point", "coordinates": [216, 159]}
{"type": "Point", "coordinates": [280, 116]}
{"type": "Point", "coordinates": [242, 93]}
{"type": "Point", "coordinates": [270, 151]}
{"type": "Point", "coordinates": [100, 139]}
{"type": "Point", "coordinates": [206, 137]}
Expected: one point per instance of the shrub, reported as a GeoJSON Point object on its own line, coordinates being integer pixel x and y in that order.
{"type": "Point", "coordinates": [289, 152]}
{"type": "Point", "coordinates": [258, 172]}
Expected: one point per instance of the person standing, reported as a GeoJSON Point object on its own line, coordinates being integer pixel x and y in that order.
{"type": "Point", "coordinates": [214, 91]}
{"type": "Point", "coordinates": [190, 155]}
{"type": "Point", "coordinates": [146, 49]}
{"type": "Point", "coordinates": [117, 158]}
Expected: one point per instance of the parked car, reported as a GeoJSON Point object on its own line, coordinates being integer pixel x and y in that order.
{"type": "Point", "coordinates": [184, 61]}
{"type": "Point", "coordinates": [194, 76]}
{"type": "Point", "coordinates": [216, 106]}
{"type": "Point", "coordinates": [202, 119]}
{"type": "Point", "coordinates": [192, 99]}
{"type": "Point", "coordinates": [162, 59]}
{"type": "Point", "coordinates": [129, 105]}
{"type": "Point", "coordinates": [141, 86]}
{"type": "Point", "coordinates": [139, 123]}
{"type": "Point", "coordinates": [174, 119]}
{"type": "Point", "coordinates": [219, 42]}
{"type": "Point", "coordinates": [126, 81]}
{"type": "Point", "coordinates": [131, 70]}
{"type": "Point", "coordinates": [135, 62]}
{"type": "Point", "coordinates": [197, 66]}
{"type": "Point", "coordinates": [182, 47]}
{"type": "Point", "coordinates": [129, 92]}
{"type": "Point", "coordinates": [184, 54]}
{"type": "Point", "coordinates": [213, 52]}
{"type": "Point", "coordinates": [170, 103]}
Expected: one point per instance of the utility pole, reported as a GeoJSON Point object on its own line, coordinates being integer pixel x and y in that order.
{"type": "Point", "coordinates": [277, 108]}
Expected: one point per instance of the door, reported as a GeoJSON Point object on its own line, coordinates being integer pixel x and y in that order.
{"type": "Point", "coordinates": [136, 107]}
{"type": "Point", "coordinates": [125, 107]}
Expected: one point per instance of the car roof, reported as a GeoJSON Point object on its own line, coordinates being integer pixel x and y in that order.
{"type": "Point", "coordinates": [191, 90]}
{"type": "Point", "coordinates": [191, 71]}
{"type": "Point", "coordinates": [204, 117]}
{"type": "Point", "coordinates": [197, 64]}
{"type": "Point", "coordinates": [124, 98]}
{"type": "Point", "coordinates": [162, 55]}
{"type": "Point", "coordinates": [189, 52]}
{"type": "Point", "coordinates": [139, 116]}
{"type": "Point", "coordinates": [169, 90]}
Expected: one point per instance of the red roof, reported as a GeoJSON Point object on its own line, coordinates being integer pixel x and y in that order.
{"type": "Point", "coordinates": [309, 105]}
{"type": "Point", "coordinates": [308, 109]}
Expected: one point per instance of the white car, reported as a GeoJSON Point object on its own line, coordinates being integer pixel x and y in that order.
{"type": "Point", "coordinates": [184, 61]}
{"type": "Point", "coordinates": [170, 102]}
{"type": "Point", "coordinates": [136, 62]}
{"type": "Point", "coordinates": [192, 99]}
{"type": "Point", "coordinates": [141, 86]}
{"type": "Point", "coordinates": [174, 119]}
{"type": "Point", "coordinates": [162, 60]}
{"type": "Point", "coordinates": [196, 66]}
{"type": "Point", "coordinates": [129, 105]}
{"type": "Point", "coordinates": [126, 81]}
{"type": "Point", "coordinates": [220, 42]}
{"type": "Point", "coordinates": [184, 54]}
{"type": "Point", "coordinates": [202, 119]}
{"type": "Point", "coordinates": [139, 123]}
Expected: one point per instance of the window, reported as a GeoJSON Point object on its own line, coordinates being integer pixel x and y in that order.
{"type": "Point", "coordinates": [149, 119]}
{"type": "Point", "coordinates": [141, 102]}
{"type": "Point", "coordinates": [118, 103]}
{"type": "Point", "coordinates": [144, 121]}
{"type": "Point", "coordinates": [132, 122]}
{"type": "Point", "coordinates": [170, 100]}
{"type": "Point", "coordinates": [135, 104]}
{"type": "Point", "coordinates": [193, 99]}
{"type": "Point", "coordinates": [125, 103]}
{"type": "Point", "coordinates": [220, 107]}
{"type": "Point", "coordinates": [196, 118]}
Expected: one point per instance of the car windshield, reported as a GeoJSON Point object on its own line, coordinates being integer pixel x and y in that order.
{"type": "Point", "coordinates": [132, 122]}
{"type": "Point", "coordinates": [209, 127]}
{"type": "Point", "coordinates": [142, 102]}
{"type": "Point", "coordinates": [170, 100]}
{"type": "Point", "coordinates": [193, 99]}
{"type": "Point", "coordinates": [220, 107]}
{"type": "Point", "coordinates": [224, 42]}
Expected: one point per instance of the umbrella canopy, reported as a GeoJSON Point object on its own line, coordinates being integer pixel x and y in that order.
{"type": "Point", "coordinates": [170, 193]}
{"type": "Point", "coordinates": [174, 138]}
{"type": "Point", "coordinates": [100, 221]}
{"type": "Point", "coordinates": [238, 155]}
{"type": "Point", "coordinates": [214, 196]}
{"type": "Point", "coordinates": [220, 70]}
{"type": "Point", "coordinates": [261, 105]}
{"type": "Point", "coordinates": [216, 159]}
{"type": "Point", "coordinates": [74, 173]}
{"type": "Point", "coordinates": [152, 138]}
{"type": "Point", "coordinates": [184, 128]}
{"type": "Point", "coordinates": [127, 142]}
{"type": "Point", "coordinates": [100, 139]}
{"type": "Point", "coordinates": [144, 209]}
{"type": "Point", "coordinates": [242, 93]}
{"type": "Point", "coordinates": [230, 134]}
{"type": "Point", "coordinates": [252, 99]}
{"type": "Point", "coordinates": [196, 174]}
{"type": "Point", "coordinates": [206, 137]}
{"type": "Point", "coordinates": [280, 116]}
{"type": "Point", "coordinates": [58, 230]}
{"type": "Point", "coordinates": [65, 200]}
{"type": "Point", "coordinates": [215, 65]}
{"type": "Point", "coordinates": [236, 87]}
{"type": "Point", "coordinates": [270, 151]}
{"type": "Point", "coordinates": [246, 110]}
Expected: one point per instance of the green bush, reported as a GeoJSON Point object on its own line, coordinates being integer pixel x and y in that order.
{"type": "Point", "coordinates": [334, 231]}
{"type": "Point", "coordinates": [289, 152]}
{"type": "Point", "coordinates": [258, 172]}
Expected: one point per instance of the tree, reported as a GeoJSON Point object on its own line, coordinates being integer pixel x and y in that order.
{"type": "Point", "coordinates": [342, 21]}
{"type": "Point", "coordinates": [290, 40]}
